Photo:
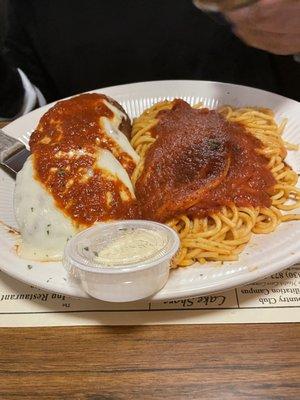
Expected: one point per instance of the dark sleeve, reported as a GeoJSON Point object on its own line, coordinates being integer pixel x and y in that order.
{"type": "Point", "coordinates": [11, 89]}
{"type": "Point", "coordinates": [20, 45]}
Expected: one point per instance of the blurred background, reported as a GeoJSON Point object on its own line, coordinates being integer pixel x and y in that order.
{"type": "Point", "coordinates": [2, 19]}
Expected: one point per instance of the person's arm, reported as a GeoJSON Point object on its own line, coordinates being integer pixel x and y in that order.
{"type": "Point", "coordinates": [22, 76]}
{"type": "Point", "coordinates": [11, 90]}
{"type": "Point", "coordinates": [271, 25]}
{"type": "Point", "coordinates": [18, 95]}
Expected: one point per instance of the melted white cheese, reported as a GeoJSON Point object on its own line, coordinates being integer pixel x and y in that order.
{"type": "Point", "coordinates": [110, 127]}
{"type": "Point", "coordinates": [44, 228]}
{"type": "Point", "coordinates": [107, 161]}
{"type": "Point", "coordinates": [118, 114]}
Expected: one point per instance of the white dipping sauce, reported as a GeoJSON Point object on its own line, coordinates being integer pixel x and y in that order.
{"type": "Point", "coordinates": [122, 261]}
{"type": "Point", "coordinates": [132, 246]}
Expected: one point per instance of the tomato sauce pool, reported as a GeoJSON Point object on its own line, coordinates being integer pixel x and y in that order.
{"type": "Point", "coordinates": [199, 163]}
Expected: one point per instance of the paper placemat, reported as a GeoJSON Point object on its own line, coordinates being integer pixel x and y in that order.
{"type": "Point", "coordinates": [274, 299]}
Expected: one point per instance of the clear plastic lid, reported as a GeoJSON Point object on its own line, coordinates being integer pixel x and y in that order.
{"type": "Point", "coordinates": [121, 246]}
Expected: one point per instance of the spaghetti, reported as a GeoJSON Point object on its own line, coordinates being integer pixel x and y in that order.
{"type": "Point", "coordinates": [223, 234]}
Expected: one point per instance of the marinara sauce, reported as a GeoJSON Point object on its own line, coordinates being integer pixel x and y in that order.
{"type": "Point", "coordinates": [199, 163]}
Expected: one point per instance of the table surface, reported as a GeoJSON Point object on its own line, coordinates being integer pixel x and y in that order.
{"type": "Point", "coordinates": [151, 362]}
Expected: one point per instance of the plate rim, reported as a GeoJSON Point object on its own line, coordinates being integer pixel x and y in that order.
{"type": "Point", "coordinates": [164, 81]}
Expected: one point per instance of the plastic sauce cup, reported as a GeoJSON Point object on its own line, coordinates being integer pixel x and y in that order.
{"type": "Point", "coordinates": [128, 278]}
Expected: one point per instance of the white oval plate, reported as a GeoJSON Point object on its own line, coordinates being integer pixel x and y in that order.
{"type": "Point", "coordinates": [264, 255]}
